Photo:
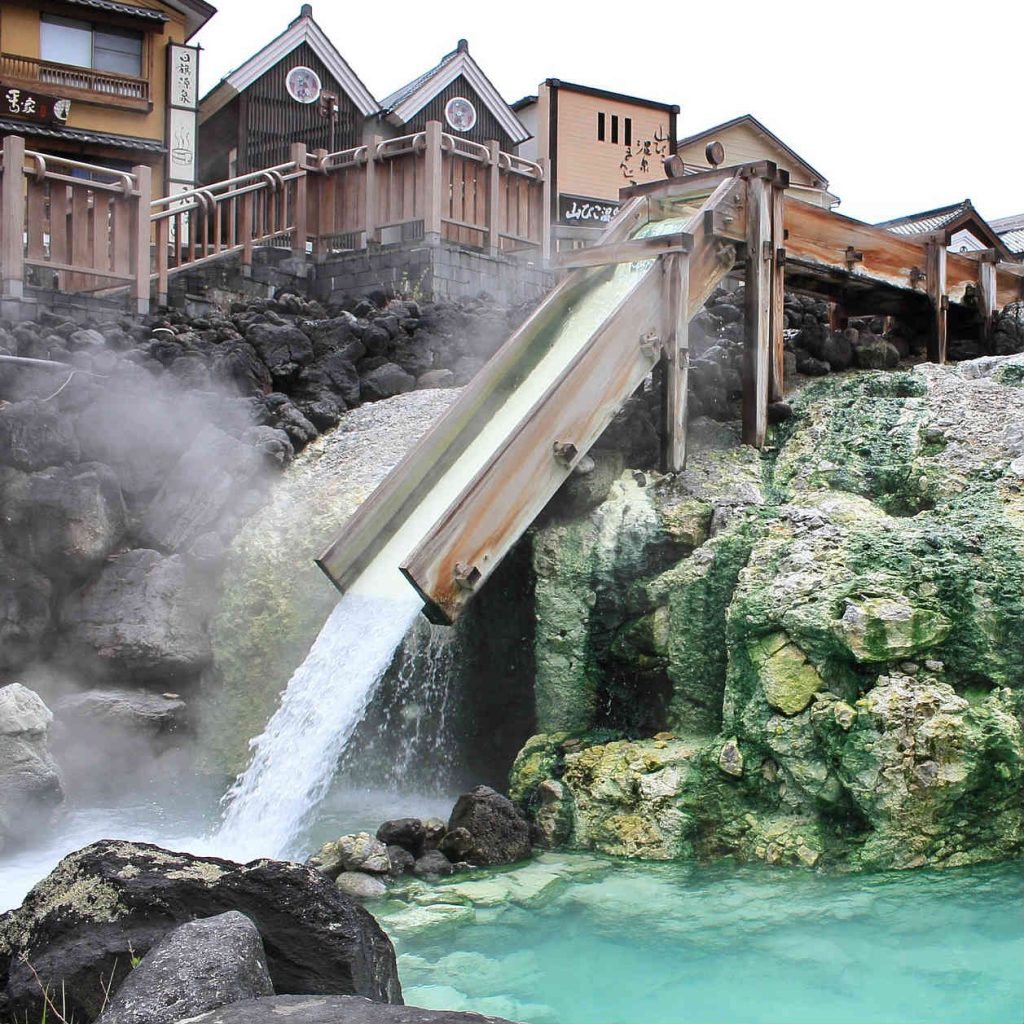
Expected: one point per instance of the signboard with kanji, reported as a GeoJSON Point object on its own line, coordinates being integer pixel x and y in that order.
{"type": "Point", "coordinates": [28, 105]}
{"type": "Point", "coordinates": [182, 123]}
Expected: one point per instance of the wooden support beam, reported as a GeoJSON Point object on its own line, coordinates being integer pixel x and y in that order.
{"type": "Point", "coordinates": [433, 178]}
{"type": "Point", "coordinates": [142, 233]}
{"type": "Point", "coordinates": [300, 202]}
{"type": "Point", "coordinates": [777, 362]}
{"type": "Point", "coordinates": [624, 252]}
{"type": "Point", "coordinates": [371, 194]}
{"type": "Point", "coordinates": [939, 298]}
{"type": "Point", "coordinates": [494, 199]}
{"type": "Point", "coordinates": [12, 218]}
{"type": "Point", "coordinates": [757, 295]}
{"type": "Point", "coordinates": [675, 358]}
{"type": "Point", "coordinates": [987, 293]}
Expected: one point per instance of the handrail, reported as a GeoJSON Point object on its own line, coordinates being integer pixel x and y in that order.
{"type": "Point", "coordinates": [286, 172]}
{"type": "Point", "coordinates": [127, 186]}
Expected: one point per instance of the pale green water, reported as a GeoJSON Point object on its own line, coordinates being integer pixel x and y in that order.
{"type": "Point", "coordinates": [670, 944]}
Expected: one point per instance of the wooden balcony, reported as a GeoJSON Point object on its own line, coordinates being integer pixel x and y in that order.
{"type": "Point", "coordinates": [82, 84]}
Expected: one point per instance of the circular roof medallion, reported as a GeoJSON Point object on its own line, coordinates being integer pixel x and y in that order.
{"type": "Point", "coordinates": [460, 114]}
{"type": "Point", "coordinates": [303, 85]}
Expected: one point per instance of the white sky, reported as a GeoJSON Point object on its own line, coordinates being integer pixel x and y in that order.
{"type": "Point", "coordinates": [903, 105]}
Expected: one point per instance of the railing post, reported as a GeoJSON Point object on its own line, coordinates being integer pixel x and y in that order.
{"type": "Point", "coordinates": [433, 177]}
{"type": "Point", "coordinates": [12, 219]}
{"type": "Point", "coordinates": [323, 205]}
{"type": "Point", "coordinates": [545, 215]}
{"type": "Point", "coordinates": [141, 238]}
{"type": "Point", "coordinates": [987, 292]}
{"type": "Point", "coordinates": [163, 241]}
{"type": "Point", "coordinates": [372, 198]}
{"type": "Point", "coordinates": [245, 230]}
{"type": "Point", "coordinates": [299, 200]}
{"type": "Point", "coordinates": [494, 200]}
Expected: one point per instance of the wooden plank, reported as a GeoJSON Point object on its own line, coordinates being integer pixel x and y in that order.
{"type": "Point", "coordinates": [676, 360]}
{"type": "Point", "coordinates": [777, 373]}
{"type": "Point", "coordinates": [711, 257]}
{"type": "Point", "coordinates": [35, 224]}
{"type": "Point", "coordinates": [432, 183]}
{"type": "Point", "coordinates": [624, 252]}
{"type": "Point", "coordinates": [694, 184]}
{"type": "Point", "coordinates": [99, 231]}
{"type": "Point", "coordinates": [371, 195]}
{"type": "Point", "coordinates": [163, 232]}
{"type": "Point", "coordinates": [939, 298]}
{"type": "Point", "coordinates": [299, 202]}
{"type": "Point", "coordinates": [494, 221]}
{"type": "Point", "coordinates": [142, 234]}
{"type": "Point", "coordinates": [824, 238]}
{"type": "Point", "coordinates": [376, 520]}
{"type": "Point", "coordinates": [59, 211]}
{"type": "Point", "coordinates": [987, 294]}
{"type": "Point", "coordinates": [479, 528]}
{"type": "Point", "coordinates": [245, 229]}
{"type": "Point", "coordinates": [81, 200]}
{"type": "Point", "coordinates": [1009, 283]}
{"type": "Point", "coordinates": [757, 298]}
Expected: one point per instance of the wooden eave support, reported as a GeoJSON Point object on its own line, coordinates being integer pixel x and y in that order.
{"type": "Point", "coordinates": [939, 298]}
{"type": "Point", "coordinates": [629, 251]}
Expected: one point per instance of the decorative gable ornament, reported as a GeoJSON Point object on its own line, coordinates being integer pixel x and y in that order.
{"type": "Point", "coordinates": [460, 114]}
{"type": "Point", "coordinates": [303, 85]}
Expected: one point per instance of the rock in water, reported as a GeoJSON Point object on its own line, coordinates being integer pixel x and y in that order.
{"type": "Point", "coordinates": [30, 781]}
{"type": "Point", "coordinates": [360, 885]}
{"type": "Point", "coordinates": [199, 966]}
{"type": "Point", "coordinates": [78, 925]}
{"type": "Point", "coordinates": [333, 1010]}
{"type": "Point", "coordinates": [362, 852]}
{"type": "Point", "coordinates": [407, 833]}
{"type": "Point", "coordinates": [501, 835]}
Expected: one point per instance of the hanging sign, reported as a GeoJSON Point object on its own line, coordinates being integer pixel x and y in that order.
{"type": "Point", "coordinates": [582, 210]}
{"type": "Point", "coordinates": [27, 105]}
{"type": "Point", "coordinates": [182, 117]}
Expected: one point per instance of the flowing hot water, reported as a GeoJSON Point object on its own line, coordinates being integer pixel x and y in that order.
{"type": "Point", "coordinates": [295, 758]}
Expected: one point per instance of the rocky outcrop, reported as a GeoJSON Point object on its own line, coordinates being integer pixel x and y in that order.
{"type": "Point", "coordinates": [199, 966]}
{"type": "Point", "coordinates": [496, 832]}
{"type": "Point", "coordinates": [30, 781]}
{"type": "Point", "coordinates": [834, 669]}
{"type": "Point", "coordinates": [80, 926]}
{"type": "Point", "coordinates": [334, 1010]}
{"type": "Point", "coordinates": [138, 619]}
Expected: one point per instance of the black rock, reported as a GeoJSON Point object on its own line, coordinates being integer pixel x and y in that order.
{"type": "Point", "coordinates": [401, 861]}
{"type": "Point", "coordinates": [284, 348]}
{"type": "Point", "coordinates": [501, 835]}
{"type": "Point", "coordinates": [810, 366]}
{"type": "Point", "coordinates": [77, 927]}
{"type": "Point", "coordinates": [199, 966]}
{"type": "Point", "coordinates": [386, 382]}
{"type": "Point", "coordinates": [433, 862]}
{"type": "Point", "coordinates": [779, 412]}
{"type": "Point", "coordinates": [25, 617]}
{"type": "Point", "coordinates": [837, 351]}
{"type": "Point", "coordinates": [34, 435]}
{"type": "Point", "coordinates": [334, 1010]}
{"type": "Point", "coordinates": [456, 845]}
{"type": "Point", "coordinates": [376, 339]}
{"type": "Point", "coordinates": [407, 833]}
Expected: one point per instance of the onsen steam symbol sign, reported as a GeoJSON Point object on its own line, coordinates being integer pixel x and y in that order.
{"type": "Point", "coordinates": [460, 114]}
{"type": "Point", "coordinates": [303, 85]}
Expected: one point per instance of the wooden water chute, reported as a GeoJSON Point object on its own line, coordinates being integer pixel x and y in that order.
{"type": "Point", "coordinates": [734, 216]}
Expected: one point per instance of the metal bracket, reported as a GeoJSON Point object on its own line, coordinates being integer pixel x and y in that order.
{"type": "Point", "coordinates": [565, 451]}
{"type": "Point", "coordinates": [650, 343]}
{"type": "Point", "coordinates": [853, 256]}
{"type": "Point", "coordinates": [466, 576]}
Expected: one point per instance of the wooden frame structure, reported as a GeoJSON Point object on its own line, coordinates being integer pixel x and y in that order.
{"type": "Point", "coordinates": [737, 216]}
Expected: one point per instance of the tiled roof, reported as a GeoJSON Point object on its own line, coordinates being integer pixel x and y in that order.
{"type": "Point", "coordinates": [78, 135]}
{"type": "Point", "coordinates": [399, 96]}
{"type": "Point", "coordinates": [929, 220]}
{"type": "Point", "coordinates": [1011, 231]}
{"type": "Point", "coordinates": [130, 9]}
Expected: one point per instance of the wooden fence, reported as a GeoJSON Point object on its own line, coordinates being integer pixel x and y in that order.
{"type": "Point", "coordinates": [80, 227]}
{"type": "Point", "coordinates": [91, 228]}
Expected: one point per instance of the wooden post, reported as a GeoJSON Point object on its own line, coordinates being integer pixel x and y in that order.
{"type": "Point", "coordinates": [141, 236]}
{"type": "Point", "coordinates": [676, 360]}
{"type": "Point", "coordinates": [433, 178]}
{"type": "Point", "coordinates": [494, 200]}
{"type": "Point", "coordinates": [12, 219]}
{"type": "Point", "coordinates": [245, 230]}
{"type": "Point", "coordinates": [372, 197]}
{"type": "Point", "coordinates": [777, 383]}
{"type": "Point", "coordinates": [987, 293]}
{"type": "Point", "coordinates": [323, 204]}
{"type": "Point", "coordinates": [299, 201]}
{"type": "Point", "coordinates": [757, 350]}
{"type": "Point", "coordinates": [936, 279]}
{"type": "Point", "coordinates": [545, 219]}
{"type": "Point", "coordinates": [163, 239]}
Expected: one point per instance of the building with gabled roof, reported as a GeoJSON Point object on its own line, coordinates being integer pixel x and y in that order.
{"type": "Point", "coordinates": [1011, 232]}
{"type": "Point", "coordinates": [280, 95]}
{"type": "Point", "coordinates": [964, 229]}
{"type": "Point", "coordinates": [457, 93]}
{"type": "Point", "coordinates": [746, 140]}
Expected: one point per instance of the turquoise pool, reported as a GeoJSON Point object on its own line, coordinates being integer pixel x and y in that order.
{"type": "Point", "coordinates": [580, 940]}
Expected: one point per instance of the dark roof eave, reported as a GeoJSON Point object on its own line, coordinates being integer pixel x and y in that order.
{"type": "Point", "coordinates": [127, 142]}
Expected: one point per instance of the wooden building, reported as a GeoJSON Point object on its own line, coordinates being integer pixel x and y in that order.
{"type": "Point", "coordinates": [458, 94]}
{"type": "Point", "coordinates": [746, 140]}
{"type": "Point", "coordinates": [297, 88]}
{"type": "Point", "coordinates": [963, 228]}
{"type": "Point", "coordinates": [596, 142]}
{"type": "Point", "coordinates": [103, 82]}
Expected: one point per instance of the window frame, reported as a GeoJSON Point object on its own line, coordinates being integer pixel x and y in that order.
{"type": "Point", "coordinates": [95, 29]}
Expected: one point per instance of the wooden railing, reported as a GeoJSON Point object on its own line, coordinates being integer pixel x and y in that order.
{"type": "Point", "coordinates": [427, 185]}
{"type": "Point", "coordinates": [80, 227]}
{"type": "Point", "coordinates": [68, 76]}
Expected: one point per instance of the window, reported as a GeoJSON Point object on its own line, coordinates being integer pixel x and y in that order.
{"type": "Point", "coordinates": [600, 127]}
{"type": "Point", "coordinates": [615, 129]}
{"type": "Point", "coordinates": [629, 130]}
{"type": "Point", "coordinates": [81, 44]}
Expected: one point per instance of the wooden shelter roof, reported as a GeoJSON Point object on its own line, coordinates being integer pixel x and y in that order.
{"type": "Point", "coordinates": [405, 103]}
{"type": "Point", "coordinates": [302, 30]}
{"type": "Point", "coordinates": [955, 217]}
{"type": "Point", "coordinates": [1011, 231]}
